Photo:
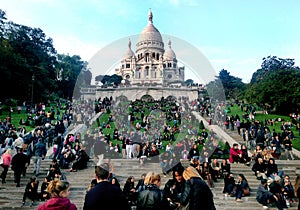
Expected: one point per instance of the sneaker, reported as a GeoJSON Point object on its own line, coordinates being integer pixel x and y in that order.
{"type": "Point", "coordinates": [265, 207]}
{"type": "Point", "coordinates": [239, 200]}
{"type": "Point", "coordinates": [23, 204]}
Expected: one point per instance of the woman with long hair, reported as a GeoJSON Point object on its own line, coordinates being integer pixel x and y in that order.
{"type": "Point", "coordinates": [229, 183]}
{"type": "Point", "coordinates": [59, 191]}
{"type": "Point", "coordinates": [245, 157]}
{"type": "Point", "coordinates": [225, 168]}
{"type": "Point", "coordinates": [129, 190]}
{"type": "Point", "coordinates": [207, 174]}
{"type": "Point", "coordinates": [241, 186]}
{"type": "Point", "coordinates": [175, 186]}
{"type": "Point", "coordinates": [272, 169]}
{"type": "Point", "coordinates": [197, 194]}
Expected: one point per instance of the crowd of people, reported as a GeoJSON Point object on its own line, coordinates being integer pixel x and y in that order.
{"type": "Point", "coordinates": [140, 134]}
{"type": "Point", "coordinates": [186, 187]}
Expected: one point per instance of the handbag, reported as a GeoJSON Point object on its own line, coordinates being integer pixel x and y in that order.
{"type": "Point", "coordinates": [246, 191]}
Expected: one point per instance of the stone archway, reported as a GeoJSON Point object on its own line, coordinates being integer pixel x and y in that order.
{"type": "Point", "coordinates": [122, 98]}
{"type": "Point", "coordinates": [171, 98]}
{"type": "Point", "coordinates": [147, 97]}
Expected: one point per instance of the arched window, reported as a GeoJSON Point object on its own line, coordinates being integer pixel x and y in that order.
{"type": "Point", "coordinates": [147, 57]}
{"type": "Point", "coordinates": [147, 71]}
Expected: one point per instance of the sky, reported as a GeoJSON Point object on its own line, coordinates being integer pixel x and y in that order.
{"type": "Point", "coordinates": [234, 35]}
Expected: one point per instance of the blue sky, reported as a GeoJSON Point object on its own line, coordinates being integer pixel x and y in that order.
{"type": "Point", "coordinates": [232, 34]}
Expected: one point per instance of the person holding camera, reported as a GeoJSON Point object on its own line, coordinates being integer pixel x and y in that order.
{"type": "Point", "coordinates": [175, 186]}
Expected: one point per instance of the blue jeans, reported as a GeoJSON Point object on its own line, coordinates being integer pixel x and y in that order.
{"type": "Point", "coordinates": [37, 163]}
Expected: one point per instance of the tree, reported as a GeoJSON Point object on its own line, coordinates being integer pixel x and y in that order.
{"type": "Point", "coordinates": [232, 86]}
{"type": "Point", "coordinates": [26, 51]}
{"type": "Point", "coordinates": [109, 79]}
{"type": "Point", "coordinates": [74, 75]}
{"type": "Point", "coordinates": [2, 22]}
{"type": "Point", "coordinates": [276, 84]}
{"type": "Point", "coordinates": [189, 82]}
{"type": "Point", "coordinates": [272, 63]}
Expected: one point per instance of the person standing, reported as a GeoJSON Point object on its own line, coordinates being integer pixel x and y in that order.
{"type": "Point", "coordinates": [152, 197]}
{"type": "Point", "coordinates": [129, 190]}
{"type": "Point", "coordinates": [59, 191]}
{"type": "Point", "coordinates": [7, 158]}
{"type": "Point", "coordinates": [288, 146]}
{"type": "Point", "coordinates": [104, 195]}
{"type": "Point", "coordinates": [18, 165]}
{"type": "Point", "coordinates": [196, 192]}
{"type": "Point", "coordinates": [39, 153]}
{"type": "Point", "coordinates": [175, 187]}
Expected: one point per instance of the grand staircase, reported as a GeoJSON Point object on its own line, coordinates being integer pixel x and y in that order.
{"type": "Point", "coordinates": [11, 196]}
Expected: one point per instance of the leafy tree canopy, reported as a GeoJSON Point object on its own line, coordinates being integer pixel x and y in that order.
{"type": "Point", "coordinates": [272, 63]}
{"type": "Point", "coordinates": [29, 60]}
{"type": "Point", "coordinates": [277, 84]}
{"type": "Point", "coordinates": [232, 86]}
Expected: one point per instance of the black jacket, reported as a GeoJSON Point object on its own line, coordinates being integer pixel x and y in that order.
{"type": "Point", "coordinates": [174, 189]}
{"type": "Point", "coordinates": [197, 195]}
{"type": "Point", "coordinates": [152, 198]}
{"type": "Point", "coordinates": [18, 162]}
{"type": "Point", "coordinates": [105, 196]}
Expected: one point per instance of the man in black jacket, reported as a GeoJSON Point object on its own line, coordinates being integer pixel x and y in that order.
{"type": "Point", "coordinates": [104, 195]}
{"type": "Point", "coordinates": [18, 164]}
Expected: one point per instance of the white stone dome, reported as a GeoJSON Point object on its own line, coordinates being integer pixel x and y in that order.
{"type": "Point", "coordinates": [150, 36]}
{"type": "Point", "coordinates": [169, 53]}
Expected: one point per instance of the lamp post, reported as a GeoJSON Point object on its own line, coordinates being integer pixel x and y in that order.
{"type": "Point", "coordinates": [32, 79]}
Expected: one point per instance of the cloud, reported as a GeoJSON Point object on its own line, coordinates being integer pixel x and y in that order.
{"type": "Point", "coordinates": [73, 46]}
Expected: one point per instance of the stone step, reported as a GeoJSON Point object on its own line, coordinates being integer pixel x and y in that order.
{"type": "Point", "coordinates": [10, 196]}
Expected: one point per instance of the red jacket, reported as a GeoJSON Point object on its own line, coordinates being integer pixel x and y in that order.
{"type": "Point", "coordinates": [234, 152]}
{"type": "Point", "coordinates": [58, 203]}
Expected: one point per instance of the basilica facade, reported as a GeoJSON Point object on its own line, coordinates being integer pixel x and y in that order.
{"type": "Point", "coordinates": [151, 63]}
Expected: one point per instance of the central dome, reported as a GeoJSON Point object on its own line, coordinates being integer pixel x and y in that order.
{"type": "Point", "coordinates": [150, 36]}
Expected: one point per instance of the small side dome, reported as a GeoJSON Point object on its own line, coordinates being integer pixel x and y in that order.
{"type": "Point", "coordinates": [129, 53]}
{"type": "Point", "coordinates": [169, 53]}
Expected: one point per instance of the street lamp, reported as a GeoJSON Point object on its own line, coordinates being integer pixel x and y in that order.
{"type": "Point", "coordinates": [32, 79]}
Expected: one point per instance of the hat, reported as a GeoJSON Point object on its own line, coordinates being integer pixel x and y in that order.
{"type": "Point", "coordinates": [277, 178]}
{"type": "Point", "coordinates": [190, 172]}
